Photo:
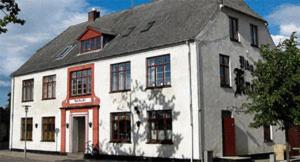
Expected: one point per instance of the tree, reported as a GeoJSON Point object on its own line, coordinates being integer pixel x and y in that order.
{"type": "Point", "coordinates": [275, 92]}
{"type": "Point", "coordinates": [10, 9]}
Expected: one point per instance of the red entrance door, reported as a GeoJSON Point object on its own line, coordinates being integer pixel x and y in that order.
{"type": "Point", "coordinates": [294, 140]}
{"type": "Point", "coordinates": [228, 136]}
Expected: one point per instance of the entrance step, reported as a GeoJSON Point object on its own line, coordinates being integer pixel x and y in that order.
{"type": "Point", "coordinates": [76, 156]}
{"type": "Point", "coordinates": [234, 159]}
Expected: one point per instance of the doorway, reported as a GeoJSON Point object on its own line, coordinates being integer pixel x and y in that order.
{"type": "Point", "coordinates": [228, 134]}
{"type": "Point", "coordinates": [79, 134]}
{"type": "Point", "coordinates": [293, 138]}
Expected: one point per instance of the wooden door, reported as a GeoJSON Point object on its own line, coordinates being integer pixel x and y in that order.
{"type": "Point", "coordinates": [81, 134]}
{"type": "Point", "coordinates": [228, 136]}
{"type": "Point", "coordinates": [294, 140]}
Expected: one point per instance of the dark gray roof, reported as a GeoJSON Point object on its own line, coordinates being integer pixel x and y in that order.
{"type": "Point", "coordinates": [175, 21]}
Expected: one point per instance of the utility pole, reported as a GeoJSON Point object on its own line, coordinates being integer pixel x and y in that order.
{"type": "Point", "coordinates": [25, 146]}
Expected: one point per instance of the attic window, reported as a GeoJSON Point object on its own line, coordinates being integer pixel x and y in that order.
{"type": "Point", "coordinates": [129, 31]}
{"type": "Point", "coordinates": [65, 51]}
{"type": "Point", "coordinates": [91, 44]}
{"type": "Point", "coordinates": [148, 26]}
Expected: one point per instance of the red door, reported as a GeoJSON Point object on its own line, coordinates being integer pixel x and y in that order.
{"type": "Point", "coordinates": [228, 136]}
{"type": "Point", "coordinates": [294, 140]}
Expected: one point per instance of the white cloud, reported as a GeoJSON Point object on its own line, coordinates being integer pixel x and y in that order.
{"type": "Point", "coordinates": [44, 20]}
{"type": "Point", "coordinates": [4, 83]}
{"type": "Point", "coordinates": [287, 18]}
{"type": "Point", "coordinates": [279, 38]}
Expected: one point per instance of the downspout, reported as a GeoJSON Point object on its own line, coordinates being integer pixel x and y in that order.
{"type": "Point", "coordinates": [200, 81]}
{"type": "Point", "coordinates": [191, 100]}
{"type": "Point", "coordinates": [12, 112]}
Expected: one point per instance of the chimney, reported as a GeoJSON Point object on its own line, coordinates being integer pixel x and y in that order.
{"type": "Point", "coordinates": [93, 15]}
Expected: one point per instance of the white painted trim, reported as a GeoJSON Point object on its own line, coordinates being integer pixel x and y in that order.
{"type": "Point", "coordinates": [86, 116]}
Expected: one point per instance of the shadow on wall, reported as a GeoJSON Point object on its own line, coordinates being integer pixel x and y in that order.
{"type": "Point", "coordinates": [155, 98]}
{"type": "Point", "coordinates": [244, 138]}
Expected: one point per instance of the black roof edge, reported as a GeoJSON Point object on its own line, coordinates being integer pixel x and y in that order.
{"type": "Point", "coordinates": [12, 75]}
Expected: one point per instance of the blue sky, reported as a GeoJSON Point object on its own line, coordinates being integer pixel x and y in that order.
{"type": "Point", "coordinates": [45, 19]}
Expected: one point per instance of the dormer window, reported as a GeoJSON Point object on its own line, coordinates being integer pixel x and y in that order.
{"type": "Point", "coordinates": [94, 38]}
{"type": "Point", "coordinates": [91, 44]}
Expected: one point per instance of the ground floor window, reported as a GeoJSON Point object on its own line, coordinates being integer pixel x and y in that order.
{"type": "Point", "coordinates": [120, 127]}
{"type": "Point", "coordinates": [160, 126]}
{"type": "Point", "coordinates": [267, 133]}
{"type": "Point", "coordinates": [26, 134]}
{"type": "Point", "coordinates": [48, 129]}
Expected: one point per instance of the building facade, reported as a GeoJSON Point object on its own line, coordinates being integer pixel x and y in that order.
{"type": "Point", "coordinates": [159, 80]}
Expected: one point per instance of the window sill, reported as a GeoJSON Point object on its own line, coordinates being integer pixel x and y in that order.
{"type": "Point", "coordinates": [268, 141]}
{"type": "Point", "coordinates": [235, 40]}
{"type": "Point", "coordinates": [79, 96]}
{"type": "Point", "coordinates": [120, 91]}
{"type": "Point", "coordinates": [48, 99]}
{"type": "Point", "coordinates": [29, 140]}
{"type": "Point", "coordinates": [120, 141]}
{"type": "Point", "coordinates": [161, 142]}
{"type": "Point", "coordinates": [159, 87]}
{"type": "Point", "coordinates": [28, 101]}
{"type": "Point", "coordinates": [47, 141]}
{"type": "Point", "coordinates": [226, 86]}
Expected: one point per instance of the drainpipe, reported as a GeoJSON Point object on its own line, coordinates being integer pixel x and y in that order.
{"type": "Point", "coordinates": [12, 112]}
{"type": "Point", "coordinates": [191, 100]}
{"type": "Point", "coordinates": [200, 81]}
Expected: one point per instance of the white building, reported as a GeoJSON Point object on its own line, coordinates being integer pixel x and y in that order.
{"type": "Point", "coordinates": [155, 81]}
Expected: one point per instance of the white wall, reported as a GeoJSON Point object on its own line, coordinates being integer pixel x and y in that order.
{"type": "Point", "coordinates": [215, 40]}
{"type": "Point", "coordinates": [175, 97]}
{"type": "Point", "coordinates": [39, 108]}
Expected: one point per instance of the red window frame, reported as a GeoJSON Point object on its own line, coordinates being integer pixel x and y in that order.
{"type": "Point", "coordinates": [91, 42]}
{"type": "Point", "coordinates": [88, 79]}
{"type": "Point", "coordinates": [49, 84]}
{"type": "Point", "coordinates": [156, 67]}
{"type": "Point", "coordinates": [118, 72]}
{"type": "Point", "coordinates": [160, 124]}
{"type": "Point", "coordinates": [122, 118]}
{"type": "Point", "coordinates": [27, 90]}
{"type": "Point", "coordinates": [224, 71]}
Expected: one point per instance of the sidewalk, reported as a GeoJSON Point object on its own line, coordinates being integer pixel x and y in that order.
{"type": "Point", "coordinates": [12, 156]}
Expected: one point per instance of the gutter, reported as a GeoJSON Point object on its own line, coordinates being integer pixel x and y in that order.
{"type": "Point", "coordinates": [191, 99]}
{"type": "Point", "coordinates": [200, 80]}
{"type": "Point", "coordinates": [12, 112]}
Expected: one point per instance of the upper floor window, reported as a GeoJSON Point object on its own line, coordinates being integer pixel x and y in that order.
{"type": "Point", "coordinates": [234, 29]}
{"type": "Point", "coordinates": [160, 126]}
{"type": "Point", "coordinates": [27, 90]}
{"type": "Point", "coordinates": [158, 71]}
{"type": "Point", "coordinates": [120, 127]}
{"type": "Point", "coordinates": [120, 77]}
{"type": "Point", "coordinates": [81, 82]}
{"type": "Point", "coordinates": [26, 129]}
{"type": "Point", "coordinates": [91, 44]}
{"type": "Point", "coordinates": [224, 71]}
{"type": "Point", "coordinates": [48, 129]}
{"type": "Point", "coordinates": [49, 87]}
{"type": "Point", "coordinates": [254, 35]}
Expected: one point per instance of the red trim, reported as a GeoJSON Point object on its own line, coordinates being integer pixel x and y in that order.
{"type": "Point", "coordinates": [96, 127]}
{"type": "Point", "coordinates": [94, 99]}
{"type": "Point", "coordinates": [63, 131]}
{"type": "Point", "coordinates": [80, 107]}
{"type": "Point", "coordinates": [89, 33]}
